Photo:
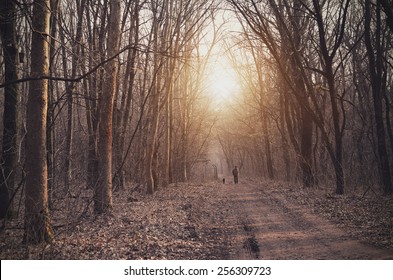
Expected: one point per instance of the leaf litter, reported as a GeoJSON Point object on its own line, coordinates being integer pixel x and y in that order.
{"type": "Point", "coordinates": [185, 221]}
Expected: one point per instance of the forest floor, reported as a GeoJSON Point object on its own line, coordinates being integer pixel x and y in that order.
{"type": "Point", "coordinates": [252, 220]}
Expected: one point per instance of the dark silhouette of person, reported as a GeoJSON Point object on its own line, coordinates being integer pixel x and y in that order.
{"type": "Point", "coordinates": [235, 173]}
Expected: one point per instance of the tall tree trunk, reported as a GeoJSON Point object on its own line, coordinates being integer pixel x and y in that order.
{"type": "Point", "coordinates": [171, 45]}
{"type": "Point", "coordinates": [261, 96]}
{"type": "Point", "coordinates": [338, 157]}
{"type": "Point", "coordinates": [327, 57]}
{"type": "Point", "coordinates": [37, 220]}
{"type": "Point", "coordinates": [304, 120]}
{"type": "Point", "coordinates": [152, 139]}
{"type": "Point", "coordinates": [150, 182]}
{"type": "Point", "coordinates": [266, 140]}
{"type": "Point", "coordinates": [375, 68]}
{"type": "Point", "coordinates": [8, 160]}
{"type": "Point", "coordinates": [306, 149]}
{"type": "Point", "coordinates": [103, 188]}
{"type": "Point", "coordinates": [170, 138]}
{"type": "Point", "coordinates": [91, 100]}
{"type": "Point", "coordinates": [126, 107]}
{"type": "Point", "coordinates": [50, 128]}
{"type": "Point", "coordinates": [70, 87]}
{"type": "Point", "coordinates": [154, 112]}
{"type": "Point", "coordinates": [185, 88]}
{"type": "Point", "coordinates": [284, 141]}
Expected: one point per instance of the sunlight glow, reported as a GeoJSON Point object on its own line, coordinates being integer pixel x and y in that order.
{"type": "Point", "coordinates": [222, 82]}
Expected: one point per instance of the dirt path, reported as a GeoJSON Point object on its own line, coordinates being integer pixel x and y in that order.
{"type": "Point", "coordinates": [268, 226]}
{"type": "Point", "coordinates": [251, 220]}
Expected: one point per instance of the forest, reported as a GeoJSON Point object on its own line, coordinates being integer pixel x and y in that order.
{"type": "Point", "coordinates": [109, 103]}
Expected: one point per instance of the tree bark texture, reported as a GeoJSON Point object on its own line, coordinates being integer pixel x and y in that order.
{"type": "Point", "coordinates": [37, 220]}
{"type": "Point", "coordinates": [103, 188]}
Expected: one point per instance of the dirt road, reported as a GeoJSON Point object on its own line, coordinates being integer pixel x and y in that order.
{"type": "Point", "coordinates": [268, 226]}
{"type": "Point", "coordinates": [251, 220]}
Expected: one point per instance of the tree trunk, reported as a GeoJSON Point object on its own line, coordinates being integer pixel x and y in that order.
{"type": "Point", "coordinates": [375, 68]}
{"type": "Point", "coordinates": [152, 141]}
{"type": "Point", "coordinates": [154, 112]}
{"type": "Point", "coordinates": [303, 118]}
{"type": "Point", "coordinates": [103, 188]}
{"type": "Point", "coordinates": [37, 221]}
{"type": "Point", "coordinates": [327, 57]}
{"type": "Point", "coordinates": [337, 161]}
{"type": "Point", "coordinates": [306, 148]}
{"type": "Point", "coordinates": [266, 140]}
{"type": "Point", "coordinates": [50, 127]}
{"type": "Point", "coordinates": [91, 97]}
{"type": "Point", "coordinates": [8, 160]}
{"type": "Point", "coordinates": [70, 87]}
{"type": "Point", "coordinates": [284, 141]}
{"type": "Point", "coordinates": [126, 107]}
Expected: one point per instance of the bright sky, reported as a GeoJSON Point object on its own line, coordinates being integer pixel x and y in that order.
{"type": "Point", "coordinates": [222, 82]}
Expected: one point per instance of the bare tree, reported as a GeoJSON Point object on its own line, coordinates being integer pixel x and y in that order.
{"type": "Point", "coordinates": [103, 188]}
{"type": "Point", "coordinates": [378, 85]}
{"type": "Point", "coordinates": [70, 86]}
{"type": "Point", "coordinates": [126, 95]}
{"type": "Point", "coordinates": [328, 53]}
{"type": "Point", "coordinates": [37, 220]}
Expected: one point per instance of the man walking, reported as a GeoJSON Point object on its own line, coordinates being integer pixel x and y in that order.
{"type": "Point", "coordinates": [235, 173]}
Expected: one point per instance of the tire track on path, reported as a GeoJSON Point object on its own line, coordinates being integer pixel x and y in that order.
{"type": "Point", "coordinates": [267, 226]}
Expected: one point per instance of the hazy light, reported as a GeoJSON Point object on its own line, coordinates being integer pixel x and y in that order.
{"type": "Point", "coordinates": [222, 81]}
